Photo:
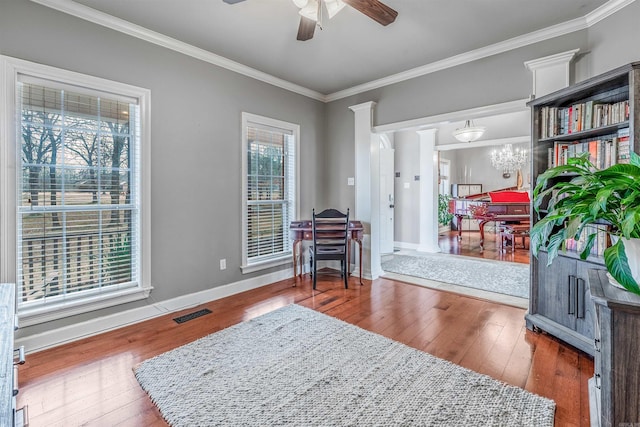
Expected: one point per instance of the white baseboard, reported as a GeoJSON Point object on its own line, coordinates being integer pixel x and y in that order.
{"type": "Point", "coordinates": [45, 340]}
{"type": "Point", "coordinates": [405, 245]}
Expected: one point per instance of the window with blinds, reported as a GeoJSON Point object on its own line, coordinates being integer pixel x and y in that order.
{"type": "Point", "coordinates": [78, 192]}
{"type": "Point", "coordinates": [269, 205]}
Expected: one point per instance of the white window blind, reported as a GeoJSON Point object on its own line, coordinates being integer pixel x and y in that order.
{"type": "Point", "coordinates": [270, 188]}
{"type": "Point", "coordinates": [78, 207]}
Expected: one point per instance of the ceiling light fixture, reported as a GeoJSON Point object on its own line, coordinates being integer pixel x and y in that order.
{"type": "Point", "coordinates": [312, 8]}
{"type": "Point", "coordinates": [508, 160]}
{"type": "Point", "coordinates": [469, 132]}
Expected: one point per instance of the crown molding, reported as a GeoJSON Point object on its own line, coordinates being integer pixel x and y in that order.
{"type": "Point", "coordinates": [89, 14]}
{"type": "Point", "coordinates": [604, 11]}
{"type": "Point", "coordinates": [92, 15]}
{"type": "Point", "coordinates": [548, 61]}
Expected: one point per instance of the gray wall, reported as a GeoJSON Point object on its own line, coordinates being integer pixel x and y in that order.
{"type": "Point", "coordinates": [196, 134]}
{"type": "Point", "coordinates": [195, 126]}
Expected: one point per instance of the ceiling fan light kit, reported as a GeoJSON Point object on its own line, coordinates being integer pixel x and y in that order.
{"type": "Point", "coordinates": [469, 132]}
{"type": "Point", "coordinates": [311, 12]}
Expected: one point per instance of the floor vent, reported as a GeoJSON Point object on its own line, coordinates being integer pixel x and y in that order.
{"type": "Point", "coordinates": [193, 315]}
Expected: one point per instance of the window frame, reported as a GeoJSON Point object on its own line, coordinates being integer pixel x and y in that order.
{"type": "Point", "coordinates": [247, 266]}
{"type": "Point", "coordinates": [10, 70]}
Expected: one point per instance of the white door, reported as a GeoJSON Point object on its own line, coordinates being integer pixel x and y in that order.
{"type": "Point", "coordinates": [386, 200]}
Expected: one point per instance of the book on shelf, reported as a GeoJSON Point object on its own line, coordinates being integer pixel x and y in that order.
{"type": "Point", "coordinates": [580, 117]}
{"type": "Point", "coordinates": [600, 243]}
{"type": "Point", "coordinates": [603, 152]}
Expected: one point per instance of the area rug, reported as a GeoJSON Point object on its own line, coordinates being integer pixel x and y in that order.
{"type": "Point", "coordinates": [298, 367]}
{"type": "Point", "coordinates": [495, 276]}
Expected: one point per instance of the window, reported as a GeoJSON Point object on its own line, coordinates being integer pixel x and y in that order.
{"type": "Point", "coordinates": [78, 202]}
{"type": "Point", "coordinates": [270, 199]}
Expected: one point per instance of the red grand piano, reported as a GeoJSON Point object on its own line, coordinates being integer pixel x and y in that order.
{"type": "Point", "coordinates": [497, 206]}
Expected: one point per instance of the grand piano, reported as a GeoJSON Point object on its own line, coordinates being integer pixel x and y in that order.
{"type": "Point", "coordinates": [505, 205]}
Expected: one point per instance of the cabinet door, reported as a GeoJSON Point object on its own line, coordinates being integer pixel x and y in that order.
{"type": "Point", "coordinates": [585, 308]}
{"type": "Point", "coordinates": [556, 287]}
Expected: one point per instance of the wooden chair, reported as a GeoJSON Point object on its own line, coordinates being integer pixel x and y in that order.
{"type": "Point", "coordinates": [330, 241]}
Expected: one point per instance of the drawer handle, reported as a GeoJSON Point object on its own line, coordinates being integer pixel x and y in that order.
{"type": "Point", "coordinates": [20, 356]}
{"type": "Point", "coordinates": [15, 380]}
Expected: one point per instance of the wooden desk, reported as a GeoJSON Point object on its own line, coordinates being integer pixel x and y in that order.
{"type": "Point", "coordinates": [303, 230]}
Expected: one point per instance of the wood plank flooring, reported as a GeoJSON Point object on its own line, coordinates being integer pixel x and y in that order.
{"type": "Point", "coordinates": [91, 382]}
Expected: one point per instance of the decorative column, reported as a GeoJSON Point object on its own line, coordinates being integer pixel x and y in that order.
{"type": "Point", "coordinates": [551, 72]}
{"type": "Point", "coordinates": [428, 192]}
{"type": "Point", "coordinates": [367, 189]}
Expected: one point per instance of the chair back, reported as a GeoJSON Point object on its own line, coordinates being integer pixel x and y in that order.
{"type": "Point", "coordinates": [330, 234]}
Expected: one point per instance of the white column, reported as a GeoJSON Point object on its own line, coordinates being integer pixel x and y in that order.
{"type": "Point", "coordinates": [367, 188]}
{"type": "Point", "coordinates": [428, 192]}
{"type": "Point", "coordinates": [551, 73]}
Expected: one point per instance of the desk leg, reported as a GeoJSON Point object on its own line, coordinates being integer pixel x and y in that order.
{"type": "Point", "coordinates": [459, 226]}
{"type": "Point", "coordinates": [296, 243]}
{"type": "Point", "coordinates": [360, 258]}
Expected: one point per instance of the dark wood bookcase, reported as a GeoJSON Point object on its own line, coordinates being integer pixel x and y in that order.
{"type": "Point", "coordinates": [593, 115]}
{"type": "Point", "coordinates": [600, 115]}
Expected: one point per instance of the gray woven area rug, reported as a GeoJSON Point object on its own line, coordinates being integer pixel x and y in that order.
{"type": "Point", "coordinates": [495, 276]}
{"type": "Point", "coordinates": [298, 367]}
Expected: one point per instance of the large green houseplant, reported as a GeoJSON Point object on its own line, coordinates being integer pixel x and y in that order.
{"type": "Point", "coordinates": [608, 196]}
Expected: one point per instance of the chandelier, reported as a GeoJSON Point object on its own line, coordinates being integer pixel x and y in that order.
{"type": "Point", "coordinates": [508, 160]}
{"type": "Point", "coordinates": [469, 132]}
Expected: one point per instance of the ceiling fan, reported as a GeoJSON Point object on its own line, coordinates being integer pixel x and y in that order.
{"type": "Point", "coordinates": [311, 12]}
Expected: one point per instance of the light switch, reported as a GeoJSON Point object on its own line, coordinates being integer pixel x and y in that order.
{"type": "Point", "coordinates": [351, 181]}
{"type": "Point", "coordinates": [407, 184]}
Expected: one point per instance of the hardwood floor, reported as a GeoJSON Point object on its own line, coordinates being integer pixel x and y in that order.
{"type": "Point", "coordinates": [91, 382]}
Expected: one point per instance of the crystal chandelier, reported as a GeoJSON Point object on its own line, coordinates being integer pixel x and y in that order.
{"type": "Point", "coordinates": [508, 160]}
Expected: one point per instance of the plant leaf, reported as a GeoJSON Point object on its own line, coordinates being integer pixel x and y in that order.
{"type": "Point", "coordinates": [617, 264]}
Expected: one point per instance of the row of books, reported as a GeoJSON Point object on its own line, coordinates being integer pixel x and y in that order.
{"type": "Point", "coordinates": [603, 152]}
{"type": "Point", "coordinates": [579, 117]}
{"type": "Point", "coordinates": [599, 245]}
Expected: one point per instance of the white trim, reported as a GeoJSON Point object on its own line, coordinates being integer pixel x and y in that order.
{"type": "Point", "coordinates": [484, 143]}
{"type": "Point", "coordinates": [10, 70]}
{"type": "Point", "coordinates": [405, 245]}
{"type": "Point", "coordinates": [548, 61]}
{"type": "Point", "coordinates": [45, 340]}
{"type": "Point", "coordinates": [518, 105]}
{"type": "Point", "coordinates": [92, 15]}
{"type": "Point", "coordinates": [265, 264]}
{"type": "Point", "coordinates": [89, 14]}
{"type": "Point", "coordinates": [47, 313]}
{"type": "Point", "coordinates": [247, 118]}
{"type": "Point", "coordinates": [7, 172]}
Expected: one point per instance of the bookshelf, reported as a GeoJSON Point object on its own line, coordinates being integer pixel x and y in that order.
{"type": "Point", "coordinates": [599, 118]}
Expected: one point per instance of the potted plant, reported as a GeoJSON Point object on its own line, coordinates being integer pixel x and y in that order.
{"type": "Point", "coordinates": [608, 196]}
{"type": "Point", "coordinates": [444, 216]}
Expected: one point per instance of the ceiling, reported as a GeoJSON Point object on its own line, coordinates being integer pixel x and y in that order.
{"type": "Point", "coordinates": [351, 50]}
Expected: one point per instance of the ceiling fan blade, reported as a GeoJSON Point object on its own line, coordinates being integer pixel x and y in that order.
{"type": "Point", "coordinates": [306, 28]}
{"type": "Point", "coordinates": [232, 1]}
{"type": "Point", "coordinates": [375, 10]}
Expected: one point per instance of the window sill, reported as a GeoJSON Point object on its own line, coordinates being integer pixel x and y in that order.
{"type": "Point", "coordinates": [263, 265]}
{"type": "Point", "coordinates": [47, 313]}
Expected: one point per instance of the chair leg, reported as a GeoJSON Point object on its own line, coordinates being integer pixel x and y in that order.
{"type": "Point", "coordinates": [311, 265]}
{"type": "Point", "coordinates": [315, 275]}
{"type": "Point", "coordinates": [344, 273]}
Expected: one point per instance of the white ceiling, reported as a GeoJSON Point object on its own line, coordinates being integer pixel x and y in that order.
{"type": "Point", "coordinates": [352, 50]}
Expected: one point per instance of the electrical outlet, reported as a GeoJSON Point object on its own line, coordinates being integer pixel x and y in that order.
{"type": "Point", "coordinates": [223, 264]}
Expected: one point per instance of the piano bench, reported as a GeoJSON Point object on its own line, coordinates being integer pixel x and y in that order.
{"type": "Point", "coordinates": [510, 232]}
